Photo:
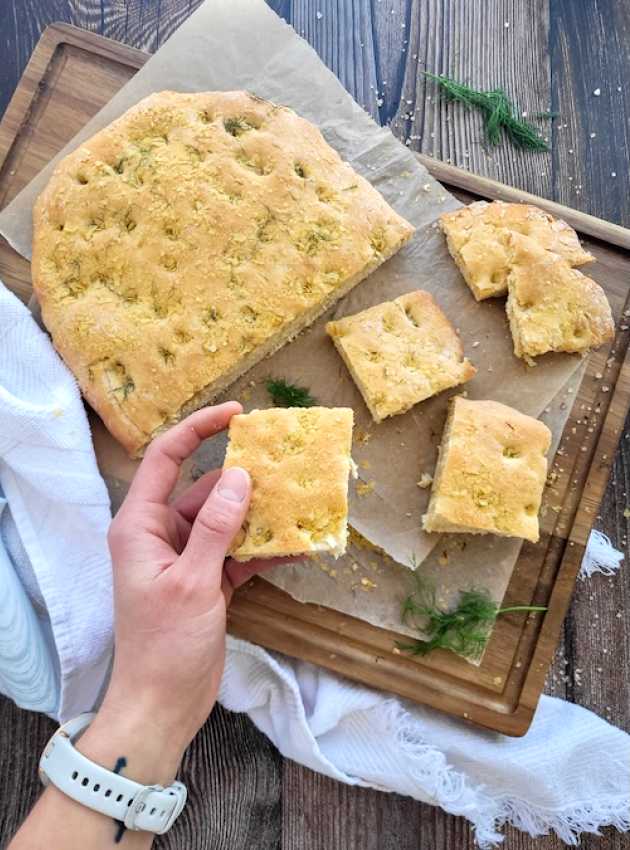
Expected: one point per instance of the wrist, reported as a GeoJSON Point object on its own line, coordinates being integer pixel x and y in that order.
{"type": "Point", "coordinates": [151, 754]}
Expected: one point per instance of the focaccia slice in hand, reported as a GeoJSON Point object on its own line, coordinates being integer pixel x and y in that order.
{"type": "Point", "coordinates": [552, 307]}
{"type": "Point", "coordinates": [192, 237]}
{"type": "Point", "coordinates": [476, 237]}
{"type": "Point", "coordinates": [401, 352]}
{"type": "Point", "coordinates": [491, 471]}
{"type": "Point", "coordinates": [299, 461]}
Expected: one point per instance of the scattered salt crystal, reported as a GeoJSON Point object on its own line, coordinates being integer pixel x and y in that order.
{"type": "Point", "coordinates": [593, 135]}
{"type": "Point", "coordinates": [613, 173]}
{"type": "Point", "coordinates": [597, 92]}
{"type": "Point", "coordinates": [319, 15]}
{"type": "Point", "coordinates": [506, 25]}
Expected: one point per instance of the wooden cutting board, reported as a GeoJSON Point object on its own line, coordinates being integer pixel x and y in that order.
{"type": "Point", "coordinates": [70, 76]}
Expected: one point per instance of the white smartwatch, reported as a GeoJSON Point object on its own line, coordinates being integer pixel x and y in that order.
{"type": "Point", "coordinates": [150, 808]}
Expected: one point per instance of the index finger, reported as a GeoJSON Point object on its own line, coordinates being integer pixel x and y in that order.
{"type": "Point", "coordinates": [157, 474]}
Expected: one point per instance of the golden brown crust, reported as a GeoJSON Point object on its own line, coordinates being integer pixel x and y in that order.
{"type": "Point", "coordinates": [299, 461]}
{"type": "Point", "coordinates": [491, 471]}
{"type": "Point", "coordinates": [401, 352]}
{"type": "Point", "coordinates": [190, 238]}
{"type": "Point", "coordinates": [552, 307]}
{"type": "Point", "coordinates": [476, 237]}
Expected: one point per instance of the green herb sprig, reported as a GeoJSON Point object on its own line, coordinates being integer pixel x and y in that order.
{"type": "Point", "coordinates": [289, 395]}
{"type": "Point", "coordinates": [498, 111]}
{"type": "Point", "coordinates": [464, 630]}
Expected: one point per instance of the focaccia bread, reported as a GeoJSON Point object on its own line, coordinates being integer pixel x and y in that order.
{"type": "Point", "coordinates": [552, 307]}
{"type": "Point", "coordinates": [400, 353]}
{"type": "Point", "coordinates": [476, 237]}
{"type": "Point", "coordinates": [491, 471]}
{"type": "Point", "coordinates": [189, 239]}
{"type": "Point", "coordinates": [299, 461]}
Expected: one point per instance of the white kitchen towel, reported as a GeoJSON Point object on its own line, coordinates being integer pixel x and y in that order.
{"type": "Point", "coordinates": [54, 527]}
{"type": "Point", "coordinates": [571, 773]}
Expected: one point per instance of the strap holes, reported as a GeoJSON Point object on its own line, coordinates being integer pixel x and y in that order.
{"type": "Point", "coordinates": [119, 798]}
{"type": "Point", "coordinates": [108, 793]}
{"type": "Point", "coordinates": [162, 813]}
{"type": "Point", "coordinates": [96, 787]}
{"type": "Point", "coordinates": [152, 812]}
{"type": "Point", "coordinates": [129, 802]}
{"type": "Point", "coordinates": [74, 774]}
{"type": "Point", "coordinates": [85, 781]}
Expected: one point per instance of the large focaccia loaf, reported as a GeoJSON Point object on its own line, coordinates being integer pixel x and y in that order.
{"type": "Point", "coordinates": [189, 239]}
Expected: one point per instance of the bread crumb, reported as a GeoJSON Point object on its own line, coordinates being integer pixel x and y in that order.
{"type": "Point", "coordinates": [362, 436]}
{"type": "Point", "coordinates": [425, 481]}
{"type": "Point", "coordinates": [364, 488]}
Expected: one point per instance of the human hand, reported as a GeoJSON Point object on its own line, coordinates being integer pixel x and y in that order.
{"type": "Point", "coordinates": [172, 585]}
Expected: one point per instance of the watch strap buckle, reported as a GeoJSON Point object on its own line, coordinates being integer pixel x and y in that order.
{"type": "Point", "coordinates": [161, 814]}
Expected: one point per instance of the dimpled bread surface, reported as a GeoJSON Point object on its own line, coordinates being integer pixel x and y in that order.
{"type": "Point", "coordinates": [491, 471]}
{"type": "Point", "coordinates": [299, 461]}
{"type": "Point", "coordinates": [476, 237]}
{"type": "Point", "coordinates": [552, 307]}
{"type": "Point", "coordinates": [189, 239]}
{"type": "Point", "coordinates": [401, 352]}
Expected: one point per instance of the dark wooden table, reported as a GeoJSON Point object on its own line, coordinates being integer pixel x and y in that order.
{"type": "Point", "coordinates": [548, 54]}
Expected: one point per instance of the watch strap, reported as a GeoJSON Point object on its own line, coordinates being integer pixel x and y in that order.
{"type": "Point", "coordinates": [151, 808]}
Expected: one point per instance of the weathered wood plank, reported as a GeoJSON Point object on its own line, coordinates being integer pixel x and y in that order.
{"type": "Point", "coordinates": [23, 736]}
{"type": "Point", "coordinates": [341, 33]}
{"type": "Point", "coordinates": [21, 24]}
{"type": "Point", "coordinates": [233, 775]}
{"type": "Point", "coordinates": [590, 49]}
{"type": "Point", "coordinates": [485, 45]}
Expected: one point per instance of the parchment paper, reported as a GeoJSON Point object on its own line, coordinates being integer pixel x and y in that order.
{"type": "Point", "coordinates": [233, 44]}
{"type": "Point", "coordinates": [365, 583]}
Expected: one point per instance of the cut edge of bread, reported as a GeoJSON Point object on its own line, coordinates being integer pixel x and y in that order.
{"type": "Point", "coordinates": [355, 378]}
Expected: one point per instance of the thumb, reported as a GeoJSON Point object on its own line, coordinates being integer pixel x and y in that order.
{"type": "Point", "coordinates": [218, 521]}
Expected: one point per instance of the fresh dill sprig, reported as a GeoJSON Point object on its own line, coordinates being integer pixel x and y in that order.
{"type": "Point", "coordinates": [464, 630]}
{"type": "Point", "coordinates": [499, 113]}
{"type": "Point", "coordinates": [289, 395]}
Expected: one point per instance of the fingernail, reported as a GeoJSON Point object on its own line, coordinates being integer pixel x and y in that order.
{"type": "Point", "coordinates": [233, 484]}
